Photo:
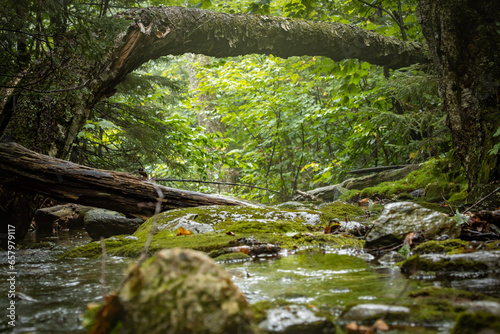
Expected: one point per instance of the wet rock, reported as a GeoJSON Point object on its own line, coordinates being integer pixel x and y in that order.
{"type": "Point", "coordinates": [483, 306]}
{"type": "Point", "coordinates": [295, 319]}
{"type": "Point", "coordinates": [399, 219]}
{"type": "Point", "coordinates": [377, 178]}
{"type": "Point", "coordinates": [184, 291]}
{"type": "Point", "coordinates": [417, 193]}
{"type": "Point", "coordinates": [60, 217]}
{"type": "Point", "coordinates": [105, 223]}
{"type": "Point", "coordinates": [188, 222]}
{"type": "Point", "coordinates": [294, 205]}
{"type": "Point", "coordinates": [328, 193]}
{"type": "Point", "coordinates": [391, 258]}
{"type": "Point", "coordinates": [478, 263]}
{"type": "Point", "coordinates": [372, 312]}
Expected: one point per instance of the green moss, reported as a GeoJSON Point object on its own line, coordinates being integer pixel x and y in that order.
{"type": "Point", "coordinates": [472, 323]}
{"type": "Point", "coordinates": [433, 305]}
{"type": "Point", "coordinates": [492, 245]}
{"type": "Point", "coordinates": [437, 177]}
{"type": "Point", "coordinates": [418, 263]}
{"type": "Point", "coordinates": [350, 195]}
{"type": "Point", "coordinates": [445, 246]}
{"type": "Point", "coordinates": [260, 226]}
{"type": "Point", "coordinates": [339, 210]}
{"type": "Point", "coordinates": [458, 198]}
{"type": "Point", "coordinates": [447, 293]}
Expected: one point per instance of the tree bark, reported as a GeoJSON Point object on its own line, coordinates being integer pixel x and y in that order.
{"type": "Point", "coordinates": [464, 42]}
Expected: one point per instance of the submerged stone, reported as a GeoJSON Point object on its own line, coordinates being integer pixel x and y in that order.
{"type": "Point", "coordinates": [184, 291]}
{"type": "Point", "coordinates": [399, 219]}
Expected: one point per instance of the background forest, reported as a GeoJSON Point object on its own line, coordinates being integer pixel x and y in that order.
{"type": "Point", "coordinates": [281, 124]}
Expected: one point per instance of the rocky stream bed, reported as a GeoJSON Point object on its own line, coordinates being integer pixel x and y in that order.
{"type": "Point", "coordinates": [302, 268]}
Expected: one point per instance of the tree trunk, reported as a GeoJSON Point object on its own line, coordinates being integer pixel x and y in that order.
{"type": "Point", "coordinates": [31, 172]}
{"type": "Point", "coordinates": [24, 170]}
{"type": "Point", "coordinates": [464, 43]}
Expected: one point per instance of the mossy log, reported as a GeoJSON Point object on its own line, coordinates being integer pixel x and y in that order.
{"type": "Point", "coordinates": [27, 171]}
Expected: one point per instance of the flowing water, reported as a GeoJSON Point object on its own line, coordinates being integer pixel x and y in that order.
{"type": "Point", "coordinates": [58, 289]}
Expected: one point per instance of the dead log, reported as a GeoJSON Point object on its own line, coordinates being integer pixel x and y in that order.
{"type": "Point", "coordinates": [375, 169]}
{"type": "Point", "coordinates": [27, 171]}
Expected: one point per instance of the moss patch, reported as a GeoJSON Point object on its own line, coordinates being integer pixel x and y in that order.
{"type": "Point", "coordinates": [445, 246]}
{"type": "Point", "coordinates": [262, 226]}
{"type": "Point", "coordinates": [419, 263]}
{"type": "Point", "coordinates": [433, 305]}
{"type": "Point", "coordinates": [437, 177]}
{"type": "Point", "coordinates": [477, 322]}
{"type": "Point", "coordinates": [339, 210]}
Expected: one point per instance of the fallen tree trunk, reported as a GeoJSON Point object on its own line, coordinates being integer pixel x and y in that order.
{"type": "Point", "coordinates": [27, 171]}
{"type": "Point", "coordinates": [375, 169]}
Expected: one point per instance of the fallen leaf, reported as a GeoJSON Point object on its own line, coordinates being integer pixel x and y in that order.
{"type": "Point", "coordinates": [352, 326]}
{"type": "Point", "coordinates": [183, 231]}
{"type": "Point", "coordinates": [364, 202]}
{"type": "Point", "coordinates": [380, 325]}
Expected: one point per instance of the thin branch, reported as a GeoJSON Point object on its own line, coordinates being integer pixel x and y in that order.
{"type": "Point", "coordinates": [103, 269]}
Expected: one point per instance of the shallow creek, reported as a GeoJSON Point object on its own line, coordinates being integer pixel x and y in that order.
{"type": "Point", "coordinates": [328, 280]}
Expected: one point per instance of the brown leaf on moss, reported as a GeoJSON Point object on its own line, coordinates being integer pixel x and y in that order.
{"type": "Point", "coordinates": [183, 231]}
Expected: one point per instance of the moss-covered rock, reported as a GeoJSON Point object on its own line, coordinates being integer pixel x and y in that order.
{"type": "Point", "coordinates": [280, 227]}
{"type": "Point", "coordinates": [432, 305]}
{"type": "Point", "coordinates": [445, 246]}
{"type": "Point", "coordinates": [340, 210]}
{"type": "Point", "coordinates": [473, 263]}
{"type": "Point", "coordinates": [436, 177]}
{"type": "Point", "coordinates": [399, 219]}
{"type": "Point", "coordinates": [183, 291]}
{"type": "Point", "coordinates": [473, 323]}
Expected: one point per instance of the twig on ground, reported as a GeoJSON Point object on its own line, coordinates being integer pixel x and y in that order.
{"type": "Point", "coordinates": [103, 269]}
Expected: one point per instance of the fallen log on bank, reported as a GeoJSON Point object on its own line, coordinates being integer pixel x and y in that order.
{"type": "Point", "coordinates": [27, 171]}
{"type": "Point", "coordinates": [376, 169]}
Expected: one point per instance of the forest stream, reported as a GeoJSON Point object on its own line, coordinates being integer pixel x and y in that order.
{"type": "Point", "coordinates": [53, 292]}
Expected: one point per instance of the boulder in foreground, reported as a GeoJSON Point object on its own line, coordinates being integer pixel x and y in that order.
{"type": "Point", "coordinates": [184, 291]}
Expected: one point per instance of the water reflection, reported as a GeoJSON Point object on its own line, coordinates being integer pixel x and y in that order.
{"type": "Point", "coordinates": [329, 280]}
